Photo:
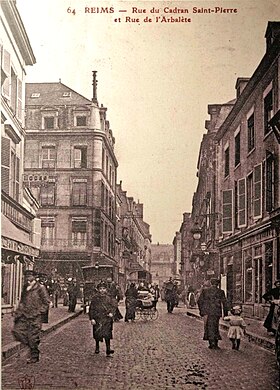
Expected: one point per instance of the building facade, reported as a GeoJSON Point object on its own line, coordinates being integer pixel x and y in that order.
{"type": "Point", "coordinates": [162, 263]}
{"type": "Point", "coordinates": [248, 181]}
{"type": "Point", "coordinates": [70, 166]}
{"type": "Point", "coordinates": [20, 228]}
{"type": "Point", "coordinates": [136, 240]}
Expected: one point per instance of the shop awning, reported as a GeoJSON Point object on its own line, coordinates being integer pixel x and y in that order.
{"type": "Point", "coordinates": [16, 240]}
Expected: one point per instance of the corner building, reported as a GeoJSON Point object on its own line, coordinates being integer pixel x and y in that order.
{"type": "Point", "coordinates": [248, 184]}
{"type": "Point", "coordinates": [71, 167]}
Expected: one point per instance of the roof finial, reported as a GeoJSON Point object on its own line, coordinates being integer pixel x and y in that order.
{"type": "Point", "coordinates": [94, 89]}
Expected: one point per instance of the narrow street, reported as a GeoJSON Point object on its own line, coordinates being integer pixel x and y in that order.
{"type": "Point", "coordinates": [162, 354]}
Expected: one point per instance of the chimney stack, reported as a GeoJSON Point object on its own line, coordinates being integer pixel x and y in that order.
{"type": "Point", "coordinates": [94, 87]}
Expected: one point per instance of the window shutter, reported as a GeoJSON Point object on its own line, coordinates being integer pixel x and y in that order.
{"type": "Point", "coordinates": [227, 211]}
{"type": "Point", "coordinates": [242, 217]}
{"type": "Point", "coordinates": [5, 164]}
{"type": "Point", "coordinates": [269, 184]}
{"type": "Point", "coordinates": [257, 191]}
{"type": "Point", "coordinates": [17, 177]}
{"type": "Point", "coordinates": [19, 100]}
{"type": "Point", "coordinates": [6, 66]}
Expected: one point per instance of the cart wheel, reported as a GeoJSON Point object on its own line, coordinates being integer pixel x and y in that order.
{"type": "Point", "coordinates": [154, 314]}
{"type": "Point", "coordinates": [137, 314]}
{"type": "Point", "coordinates": [145, 315]}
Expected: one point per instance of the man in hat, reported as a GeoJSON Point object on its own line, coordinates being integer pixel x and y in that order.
{"type": "Point", "coordinates": [212, 303]}
{"type": "Point", "coordinates": [28, 316]}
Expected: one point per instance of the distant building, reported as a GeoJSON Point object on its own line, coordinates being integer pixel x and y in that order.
{"type": "Point", "coordinates": [20, 229]}
{"type": "Point", "coordinates": [71, 167]}
{"type": "Point", "coordinates": [136, 240]}
{"type": "Point", "coordinates": [162, 262]}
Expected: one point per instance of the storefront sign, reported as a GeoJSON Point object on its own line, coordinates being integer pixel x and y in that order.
{"type": "Point", "coordinates": [18, 247]}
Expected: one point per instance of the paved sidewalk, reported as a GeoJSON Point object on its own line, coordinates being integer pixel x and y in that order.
{"type": "Point", "coordinates": [255, 331]}
{"type": "Point", "coordinates": [57, 317]}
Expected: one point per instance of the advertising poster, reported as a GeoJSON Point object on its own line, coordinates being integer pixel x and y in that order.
{"type": "Point", "coordinates": [152, 73]}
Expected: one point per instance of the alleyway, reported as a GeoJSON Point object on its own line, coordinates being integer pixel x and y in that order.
{"type": "Point", "coordinates": [163, 354]}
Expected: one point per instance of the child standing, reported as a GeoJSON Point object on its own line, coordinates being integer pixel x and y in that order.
{"type": "Point", "coordinates": [237, 327]}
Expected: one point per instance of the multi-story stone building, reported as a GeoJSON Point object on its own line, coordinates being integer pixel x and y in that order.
{"type": "Point", "coordinates": [248, 181]}
{"type": "Point", "coordinates": [20, 228]}
{"type": "Point", "coordinates": [176, 266]}
{"type": "Point", "coordinates": [204, 257]}
{"type": "Point", "coordinates": [136, 240]}
{"type": "Point", "coordinates": [186, 267]}
{"type": "Point", "coordinates": [70, 166]}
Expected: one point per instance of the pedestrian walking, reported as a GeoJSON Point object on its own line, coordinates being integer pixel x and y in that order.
{"type": "Point", "coordinates": [34, 302]}
{"type": "Point", "coordinates": [101, 314]}
{"type": "Point", "coordinates": [237, 327]}
{"type": "Point", "coordinates": [271, 296]}
{"type": "Point", "coordinates": [131, 296]}
{"type": "Point", "coordinates": [72, 295]}
{"type": "Point", "coordinates": [43, 280]}
{"type": "Point", "coordinates": [212, 303]}
{"type": "Point", "coordinates": [114, 294]}
{"type": "Point", "coordinates": [170, 295]}
{"type": "Point", "coordinates": [191, 298]}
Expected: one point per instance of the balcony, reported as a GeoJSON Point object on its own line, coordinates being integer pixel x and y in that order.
{"type": "Point", "coordinates": [54, 245]}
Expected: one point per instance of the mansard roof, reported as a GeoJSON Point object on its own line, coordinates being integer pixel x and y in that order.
{"type": "Point", "coordinates": [53, 94]}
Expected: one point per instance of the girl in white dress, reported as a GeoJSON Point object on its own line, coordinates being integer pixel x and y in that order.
{"type": "Point", "coordinates": [237, 327]}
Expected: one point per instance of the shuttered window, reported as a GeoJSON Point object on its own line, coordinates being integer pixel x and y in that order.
{"type": "Point", "coordinates": [269, 184]}
{"type": "Point", "coordinates": [241, 216]}
{"type": "Point", "coordinates": [251, 132]}
{"type": "Point", "coordinates": [5, 164]}
{"type": "Point", "coordinates": [6, 66]}
{"type": "Point", "coordinates": [79, 194]}
{"type": "Point", "coordinates": [47, 194]}
{"type": "Point", "coordinates": [268, 111]}
{"type": "Point", "coordinates": [237, 149]}
{"type": "Point", "coordinates": [257, 177]}
{"type": "Point", "coordinates": [227, 211]}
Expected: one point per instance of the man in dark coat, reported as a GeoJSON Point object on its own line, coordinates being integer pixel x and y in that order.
{"type": "Point", "coordinates": [131, 296]}
{"type": "Point", "coordinates": [33, 304]}
{"type": "Point", "coordinates": [101, 314]}
{"type": "Point", "coordinates": [170, 293]}
{"type": "Point", "coordinates": [212, 303]}
{"type": "Point", "coordinates": [73, 292]}
{"type": "Point", "coordinates": [270, 321]}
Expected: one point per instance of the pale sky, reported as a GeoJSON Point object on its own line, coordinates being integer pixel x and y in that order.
{"type": "Point", "coordinates": [156, 79]}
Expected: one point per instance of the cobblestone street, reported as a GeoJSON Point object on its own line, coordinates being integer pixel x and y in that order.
{"type": "Point", "coordinates": [163, 354]}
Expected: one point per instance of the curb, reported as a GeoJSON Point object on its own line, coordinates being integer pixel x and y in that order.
{"type": "Point", "coordinates": [251, 337]}
{"type": "Point", "coordinates": [15, 347]}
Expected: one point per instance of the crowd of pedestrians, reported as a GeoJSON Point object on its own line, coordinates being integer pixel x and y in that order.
{"type": "Point", "coordinates": [39, 293]}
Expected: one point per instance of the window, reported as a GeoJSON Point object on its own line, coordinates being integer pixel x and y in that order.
{"type": "Point", "coordinates": [49, 122]}
{"type": "Point", "coordinates": [226, 162]}
{"type": "Point", "coordinates": [47, 194]}
{"type": "Point", "coordinates": [250, 192]}
{"type": "Point", "coordinates": [6, 73]}
{"type": "Point", "coordinates": [48, 157]}
{"type": "Point", "coordinates": [248, 275]}
{"type": "Point", "coordinates": [227, 211]}
{"type": "Point", "coordinates": [251, 132]}
{"type": "Point", "coordinates": [257, 202]}
{"type": "Point", "coordinates": [80, 157]}
{"type": "Point", "coordinates": [268, 111]}
{"type": "Point", "coordinates": [47, 231]}
{"type": "Point", "coordinates": [269, 184]}
{"type": "Point", "coordinates": [5, 164]}
{"type": "Point", "coordinates": [103, 159]}
{"type": "Point", "coordinates": [79, 192]}
{"type": "Point", "coordinates": [241, 216]}
{"type": "Point", "coordinates": [268, 265]}
{"type": "Point", "coordinates": [102, 195]}
{"type": "Point", "coordinates": [79, 231]}
{"type": "Point", "coordinates": [81, 120]}
{"type": "Point", "coordinates": [14, 178]}
{"type": "Point", "coordinates": [237, 150]}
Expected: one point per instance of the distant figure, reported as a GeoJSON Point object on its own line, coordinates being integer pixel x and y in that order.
{"type": "Point", "coordinates": [191, 298]}
{"type": "Point", "coordinates": [56, 292]}
{"type": "Point", "coordinates": [101, 314]}
{"type": "Point", "coordinates": [170, 295]}
{"type": "Point", "coordinates": [43, 280]}
{"type": "Point", "coordinates": [131, 296]}
{"type": "Point", "coordinates": [73, 295]}
{"type": "Point", "coordinates": [114, 294]}
{"type": "Point", "coordinates": [272, 296]}
{"type": "Point", "coordinates": [237, 327]}
{"type": "Point", "coordinates": [33, 303]}
{"type": "Point", "coordinates": [211, 304]}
